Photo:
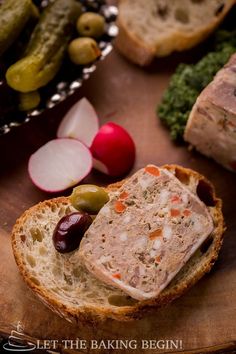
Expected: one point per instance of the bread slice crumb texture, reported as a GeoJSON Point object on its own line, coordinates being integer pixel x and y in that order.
{"type": "Point", "coordinates": [52, 270]}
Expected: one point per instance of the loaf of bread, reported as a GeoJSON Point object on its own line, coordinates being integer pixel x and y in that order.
{"type": "Point", "coordinates": [63, 283]}
{"type": "Point", "coordinates": [159, 27]}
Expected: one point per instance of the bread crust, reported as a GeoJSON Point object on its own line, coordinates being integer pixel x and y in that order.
{"type": "Point", "coordinates": [143, 54]}
{"type": "Point", "coordinates": [132, 48]}
{"type": "Point", "coordinates": [93, 314]}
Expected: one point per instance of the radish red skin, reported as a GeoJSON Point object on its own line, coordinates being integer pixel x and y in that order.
{"type": "Point", "coordinates": [114, 148]}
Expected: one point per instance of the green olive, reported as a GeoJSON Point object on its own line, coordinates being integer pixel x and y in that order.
{"type": "Point", "coordinates": [91, 24]}
{"type": "Point", "coordinates": [83, 51]}
{"type": "Point", "coordinates": [89, 198]}
{"type": "Point", "coordinates": [29, 100]}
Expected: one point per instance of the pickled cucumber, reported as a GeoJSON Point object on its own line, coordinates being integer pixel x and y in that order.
{"type": "Point", "coordinates": [46, 48]}
{"type": "Point", "coordinates": [34, 12]}
{"type": "Point", "coordinates": [29, 100]}
{"type": "Point", "coordinates": [13, 17]}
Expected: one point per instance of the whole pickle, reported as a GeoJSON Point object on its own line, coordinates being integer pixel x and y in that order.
{"type": "Point", "coordinates": [46, 48]}
{"type": "Point", "coordinates": [13, 17]}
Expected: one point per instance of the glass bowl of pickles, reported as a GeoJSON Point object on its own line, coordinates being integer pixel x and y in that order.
{"type": "Point", "coordinates": [47, 49]}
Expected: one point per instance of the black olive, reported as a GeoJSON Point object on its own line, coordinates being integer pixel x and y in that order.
{"type": "Point", "coordinates": [70, 230]}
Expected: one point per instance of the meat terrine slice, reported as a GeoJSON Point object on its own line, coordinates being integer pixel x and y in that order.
{"type": "Point", "coordinates": [146, 233]}
{"type": "Point", "coordinates": [211, 127]}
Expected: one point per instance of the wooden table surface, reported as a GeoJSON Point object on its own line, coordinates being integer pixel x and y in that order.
{"type": "Point", "coordinates": [128, 95]}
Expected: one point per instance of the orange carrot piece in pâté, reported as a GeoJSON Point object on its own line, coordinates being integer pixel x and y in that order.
{"type": "Point", "coordinates": [175, 199]}
{"type": "Point", "coordinates": [124, 195]}
{"type": "Point", "coordinates": [174, 212]}
{"type": "Point", "coordinates": [119, 207]}
{"type": "Point", "coordinates": [117, 276]}
{"type": "Point", "coordinates": [152, 170]}
{"type": "Point", "coordinates": [158, 259]}
{"type": "Point", "coordinates": [157, 233]}
{"type": "Point", "coordinates": [187, 212]}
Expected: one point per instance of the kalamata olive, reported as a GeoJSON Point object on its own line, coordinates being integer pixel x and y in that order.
{"type": "Point", "coordinates": [70, 230]}
{"type": "Point", "coordinates": [89, 198]}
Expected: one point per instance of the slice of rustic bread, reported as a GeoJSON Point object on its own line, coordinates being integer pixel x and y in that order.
{"type": "Point", "coordinates": [160, 27]}
{"type": "Point", "coordinates": [64, 284]}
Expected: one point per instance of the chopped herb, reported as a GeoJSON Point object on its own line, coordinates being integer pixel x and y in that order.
{"type": "Point", "coordinates": [129, 202]}
{"type": "Point", "coordinates": [189, 80]}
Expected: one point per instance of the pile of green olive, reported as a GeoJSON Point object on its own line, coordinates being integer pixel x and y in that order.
{"type": "Point", "coordinates": [84, 50]}
{"type": "Point", "coordinates": [87, 199]}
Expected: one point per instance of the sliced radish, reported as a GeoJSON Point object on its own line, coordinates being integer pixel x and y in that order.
{"type": "Point", "coordinates": [81, 122]}
{"type": "Point", "coordinates": [113, 150]}
{"type": "Point", "coordinates": [59, 164]}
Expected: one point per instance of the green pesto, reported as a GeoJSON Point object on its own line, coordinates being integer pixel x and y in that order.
{"type": "Point", "coordinates": [189, 80]}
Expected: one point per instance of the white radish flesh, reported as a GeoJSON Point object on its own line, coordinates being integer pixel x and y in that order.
{"type": "Point", "coordinates": [59, 164]}
{"type": "Point", "coordinates": [80, 122]}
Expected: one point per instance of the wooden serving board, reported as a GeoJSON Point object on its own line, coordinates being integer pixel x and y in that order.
{"type": "Point", "coordinates": [206, 315]}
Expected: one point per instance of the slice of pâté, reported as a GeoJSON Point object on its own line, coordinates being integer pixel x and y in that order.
{"type": "Point", "coordinates": [146, 233]}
